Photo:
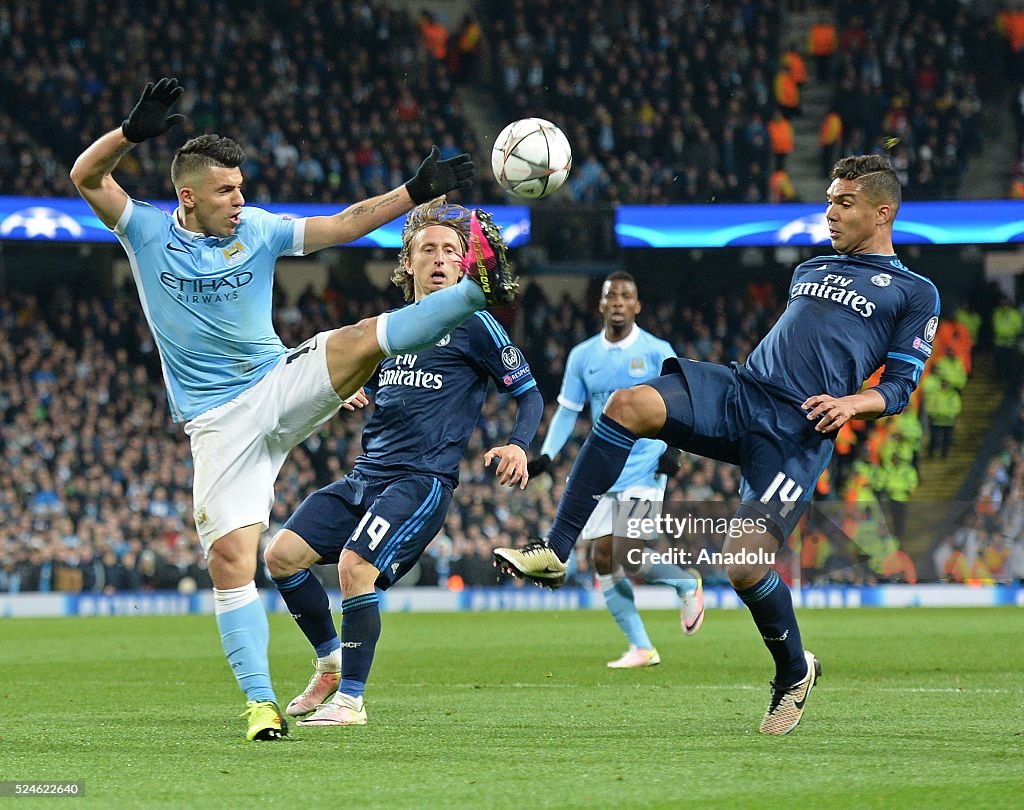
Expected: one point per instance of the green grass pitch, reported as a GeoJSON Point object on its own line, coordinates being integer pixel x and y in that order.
{"type": "Point", "coordinates": [916, 708]}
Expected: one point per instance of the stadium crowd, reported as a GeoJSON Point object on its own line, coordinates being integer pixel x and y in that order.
{"type": "Point", "coordinates": [910, 78]}
{"type": "Point", "coordinates": [986, 543]}
{"type": "Point", "coordinates": [345, 103]}
{"type": "Point", "coordinates": [662, 102]}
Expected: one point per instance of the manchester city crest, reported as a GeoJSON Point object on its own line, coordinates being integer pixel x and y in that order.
{"type": "Point", "coordinates": [881, 280]}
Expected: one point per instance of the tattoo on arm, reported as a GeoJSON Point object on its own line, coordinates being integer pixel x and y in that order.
{"type": "Point", "coordinates": [363, 209]}
{"type": "Point", "coordinates": [109, 165]}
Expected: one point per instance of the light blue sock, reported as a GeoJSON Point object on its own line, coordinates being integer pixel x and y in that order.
{"type": "Point", "coordinates": [671, 575]}
{"type": "Point", "coordinates": [618, 596]}
{"type": "Point", "coordinates": [245, 634]}
{"type": "Point", "coordinates": [422, 324]}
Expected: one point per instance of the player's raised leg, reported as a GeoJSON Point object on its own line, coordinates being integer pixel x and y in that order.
{"type": "Point", "coordinates": [244, 632]}
{"type": "Point", "coordinates": [289, 558]}
{"type": "Point", "coordinates": [353, 352]}
{"type": "Point", "coordinates": [488, 280]}
{"type": "Point", "coordinates": [630, 413]}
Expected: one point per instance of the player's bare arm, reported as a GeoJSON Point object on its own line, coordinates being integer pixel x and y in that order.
{"type": "Point", "coordinates": [92, 175]}
{"type": "Point", "coordinates": [434, 178]}
{"type": "Point", "coordinates": [357, 220]}
{"type": "Point", "coordinates": [511, 468]}
{"type": "Point", "coordinates": [832, 413]}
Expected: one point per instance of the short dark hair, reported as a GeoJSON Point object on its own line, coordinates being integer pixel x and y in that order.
{"type": "Point", "coordinates": [204, 152]}
{"type": "Point", "coordinates": [877, 176]}
{"type": "Point", "coordinates": [619, 275]}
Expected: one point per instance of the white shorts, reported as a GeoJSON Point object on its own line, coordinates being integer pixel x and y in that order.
{"type": "Point", "coordinates": [238, 448]}
{"type": "Point", "coordinates": [609, 519]}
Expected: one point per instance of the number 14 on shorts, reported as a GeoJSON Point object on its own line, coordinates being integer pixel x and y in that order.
{"type": "Point", "coordinates": [788, 490]}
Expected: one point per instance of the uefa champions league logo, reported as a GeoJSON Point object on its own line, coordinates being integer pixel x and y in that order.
{"type": "Point", "coordinates": [38, 220]}
{"type": "Point", "coordinates": [810, 229]}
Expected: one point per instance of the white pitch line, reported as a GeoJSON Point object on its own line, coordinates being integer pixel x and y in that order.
{"type": "Point", "coordinates": [949, 690]}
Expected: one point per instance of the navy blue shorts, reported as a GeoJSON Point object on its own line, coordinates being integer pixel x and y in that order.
{"type": "Point", "coordinates": [716, 412]}
{"type": "Point", "coordinates": [386, 521]}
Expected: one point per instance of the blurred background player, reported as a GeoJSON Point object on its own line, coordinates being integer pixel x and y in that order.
{"type": "Point", "coordinates": [622, 355]}
{"type": "Point", "coordinates": [377, 520]}
{"type": "Point", "coordinates": [848, 314]}
{"type": "Point", "coordinates": [205, 279]}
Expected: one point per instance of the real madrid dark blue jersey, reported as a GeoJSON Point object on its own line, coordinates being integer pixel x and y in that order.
{"type": "Point", "coordinates": [846, 317]}
{"type": "Point", "coordinates": [427, 404]}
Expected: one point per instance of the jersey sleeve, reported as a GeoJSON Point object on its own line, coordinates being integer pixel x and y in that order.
{"type": "Point", "coordinates": [910, 348]}
{"type": "Point", "coordinates": [573, 395]}
{"type": "Point", "coordinates": [494, 352]}
{"type": "Point", "coordinates": [284, 236]}
{"type": "Point", "coordinates": [140, 223]}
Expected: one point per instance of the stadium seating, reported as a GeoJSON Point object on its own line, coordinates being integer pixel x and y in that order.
{"type": "Point", "coordinates": [661, 104]}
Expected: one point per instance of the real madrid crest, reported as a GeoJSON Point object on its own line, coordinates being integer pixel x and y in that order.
{"type": "Point", "coordinates": [444, 341]}
{"type": "Point", "coordinates": [881, 280]}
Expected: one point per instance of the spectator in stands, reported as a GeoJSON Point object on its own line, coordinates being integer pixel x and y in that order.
{"type": "Point", "coordinates": [435, 35]}
{"type": "Point", "coordinates": [823, 45]}
{"type": "Point", "coordinates": [830, 139]}
{"type": "Point", "coordinates": [467, 50]}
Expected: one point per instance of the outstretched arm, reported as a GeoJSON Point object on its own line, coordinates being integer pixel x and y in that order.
{"type": "Point", "coordinates": [92, 173]}
{"type": "Point", "coordinates": [434, 178]}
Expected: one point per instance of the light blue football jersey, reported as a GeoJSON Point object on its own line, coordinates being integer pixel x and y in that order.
{"type": "Point", "coordinates": [208, 300]}
{"type": "Point", "coordinates": [596, 368]}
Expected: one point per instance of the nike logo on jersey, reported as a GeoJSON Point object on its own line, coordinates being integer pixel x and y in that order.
{"type": "Point", "coordinates": [176, 249]}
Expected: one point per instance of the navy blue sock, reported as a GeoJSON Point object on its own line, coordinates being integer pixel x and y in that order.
{"type": "Point", "coordinates": [308, 603]}
{"type": "Point", "coordinates": [771, 605]}
{"type": "Point", "coordinates": [598, 465]}
{"type": "Point", "coordinates": [360, 629]}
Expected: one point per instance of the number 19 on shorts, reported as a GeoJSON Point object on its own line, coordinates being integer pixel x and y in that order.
{"type": "Point", "coordinates": [376, 531]}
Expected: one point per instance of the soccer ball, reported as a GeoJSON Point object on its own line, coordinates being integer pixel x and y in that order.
{"type": "Point", "coordinates": [531, 158]}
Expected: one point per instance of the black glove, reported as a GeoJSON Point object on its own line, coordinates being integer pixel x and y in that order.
{"type": "Point", "coordinates": [541, 464]}
{"type": "Point", "coordinates": [436, 177]}
{"type": "Point", "coordinates": [149, 117]}
{"type": "Point", "coordinates": [670, 461]}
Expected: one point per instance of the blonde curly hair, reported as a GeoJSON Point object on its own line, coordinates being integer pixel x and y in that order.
{"type": "Point", "coordinates": [435, 212]}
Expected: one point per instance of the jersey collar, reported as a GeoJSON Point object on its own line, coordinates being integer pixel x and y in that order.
{"type": "Point", "coordinates": [182, 231]}
{"type": "Point", "coordinates": [625, 343]}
